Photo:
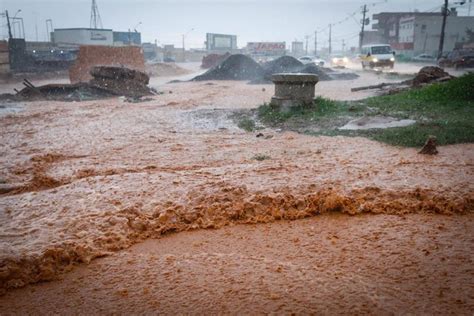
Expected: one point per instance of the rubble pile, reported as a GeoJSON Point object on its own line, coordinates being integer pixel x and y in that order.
{"type": "Point", "coordinates": [120, 81]}
{"type": "Point", "coordinates": [57, 92]}
{"type": "Point", "coordinates": [106, 82]}
{"type": "Point", "coordinates": [430, 74]}
{"type": "Point", "coordinates": [234, 67]}
{"type": "Point", "coordinates": [426, 75]}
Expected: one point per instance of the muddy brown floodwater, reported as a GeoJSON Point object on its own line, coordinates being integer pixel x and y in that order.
{"type": "Point", "coordinates": [386, 230]}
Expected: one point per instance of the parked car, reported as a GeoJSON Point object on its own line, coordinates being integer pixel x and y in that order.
{"type": "Point", "coordinates": [377, 55]}
{"type": "Point", "coordinates": [169, 59]}
{"type": "Point", "coordinates": [425, 58]}
{"type": "Point", "coordinates": [458, 59]}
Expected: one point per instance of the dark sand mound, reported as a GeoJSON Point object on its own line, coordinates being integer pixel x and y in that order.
{"type": "Point", "coordinates": [241, 67]}
{"type": "Point", "coordinates": [313, 69]}
{"type": "Point", "coordinates": [234, 67]}
{"type": "Point", "coordinates": [282, 64]}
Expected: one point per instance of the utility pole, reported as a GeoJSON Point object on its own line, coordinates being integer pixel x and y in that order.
{"type": "Point", "coordinates": [343, 46]}
{"type": "Point", "coordinates": [184, 49]}
{"type": "Point", "coordinates": [306, 49]}
{"type": "Point", "coordinates": [361, 37]}
{"type": "Point", "coordinates": [469, 8]}
{"type": "Point", "coordinates": [443, 27]}
{"type": "Point", "coordinates": [315, 43]}
{"type": "Point", "coordinates": [9, 26]}
{"type": "Point", "coordinates": [330, 39]}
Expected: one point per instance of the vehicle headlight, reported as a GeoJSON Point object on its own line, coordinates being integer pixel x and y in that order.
{"type": "Point", "coordinates": [345, 59]}
{"type": "Point", "coordinates": [392, 59]}
{"type": "Point", "coordinates": [375, 60]}
{"type": "Point", "coordinates": [334, 60]}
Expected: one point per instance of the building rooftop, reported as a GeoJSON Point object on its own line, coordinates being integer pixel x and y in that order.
{"type": "Point", "coordinates": [81, 29]}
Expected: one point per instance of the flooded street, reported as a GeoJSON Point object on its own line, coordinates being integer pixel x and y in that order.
{"type": "Point", "coordinates": [139, 184]}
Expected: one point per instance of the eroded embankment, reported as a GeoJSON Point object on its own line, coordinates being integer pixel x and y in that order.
{"type": "Point", "coordinates": [224, 206]}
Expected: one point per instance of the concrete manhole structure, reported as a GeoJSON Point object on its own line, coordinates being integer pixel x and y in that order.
{"type": "Point", "coordinates": [293, 89]}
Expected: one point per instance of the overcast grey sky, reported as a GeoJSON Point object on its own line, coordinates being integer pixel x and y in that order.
{"type": "Point", "coordinates": [250, 20]}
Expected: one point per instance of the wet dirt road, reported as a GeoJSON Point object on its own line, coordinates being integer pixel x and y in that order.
{"type": "Point", "coordinates": [330, 264]}
{"type": "Point", "coordinates": [92, 178]}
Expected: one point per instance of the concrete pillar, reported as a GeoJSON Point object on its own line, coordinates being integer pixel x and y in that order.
{"type": "Point", "coordinates": [293, 89]}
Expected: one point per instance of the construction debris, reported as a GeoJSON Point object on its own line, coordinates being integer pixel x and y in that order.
{"type": "Point", "coordinates": [120, 81]}
{"type": "Point", "coordinates": [430, 74]}
{"type": "Point", "coordinates": [57, 92]}
{"type": "Point", "coordinates": [377, 86]}
{"type": "Point", "coordinates": [106, 82]}
{"type": "Point", "coordinates": [426, 75]}
{"type": "Point", "coordinates": [430, 147]}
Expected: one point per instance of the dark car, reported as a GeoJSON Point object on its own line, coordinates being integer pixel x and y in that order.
{"type": "Point", "coordinates": [169, 59]}
{"type": "Point", "coordinates": [458, 59]}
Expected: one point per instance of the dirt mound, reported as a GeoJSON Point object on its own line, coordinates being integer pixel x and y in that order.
{"type": "Point", "coordinates": [90, 56]}
{"type": "Point", "coordinates": [313, 69]}
{"type": "Point", "coordinates": [234, 67]}
{"type": "Point", "coordinates": [288, 64]}
{"type": "Point", "coordinates": [165, 69]}
{"type": "Point", "coordinates": [429, 74]}
{"type": "Point", "coordinates": [283, 64]}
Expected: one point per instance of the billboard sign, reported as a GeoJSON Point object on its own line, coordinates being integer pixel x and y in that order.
{"type": "Point", "coordinates": [266, 47]}
{"type": "Point", "coordinates": [221, 42]}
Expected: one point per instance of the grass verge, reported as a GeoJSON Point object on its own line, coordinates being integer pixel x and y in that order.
{"type": "Point", "coordinates": [445, 110]}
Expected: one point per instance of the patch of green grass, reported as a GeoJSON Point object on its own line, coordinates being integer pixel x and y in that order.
{"type": "Point", "coordinates": [261, 157]}
{"type": "Point", "coordinates": [321, 108]}
{"type": "Point", "coordinates": [247, 124]}
{"type": "Point", "coordinates": [445, 110]}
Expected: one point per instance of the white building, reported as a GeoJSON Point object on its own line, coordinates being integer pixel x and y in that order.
{"type": "Point", "coordinates": [421, 34]}
{"type": "Point", "coordinates": [82, 36]}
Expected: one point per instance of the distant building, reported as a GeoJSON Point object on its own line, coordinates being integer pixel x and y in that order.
{"type": "Point", "coordinates": [82, 36]}
{"type": "Point", "coordinates": [150, 51]}
{"type": "Point", "coordinates": [297, 48]}
{"type": "Point", "coordinates": [127, 38]}
{"type": "Point", "coordinates": [73, 37]}
{"type": "Point", "coordinates": [413, 33]}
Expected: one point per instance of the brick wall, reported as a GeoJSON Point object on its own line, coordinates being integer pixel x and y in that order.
{"type": "Point", "coordinates": [90, 56]}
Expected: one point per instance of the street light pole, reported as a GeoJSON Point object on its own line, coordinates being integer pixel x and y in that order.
{"type": "Point", "coordinates": [9, 26]}
{"type": "Point", "coordinates": [184, 49]}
